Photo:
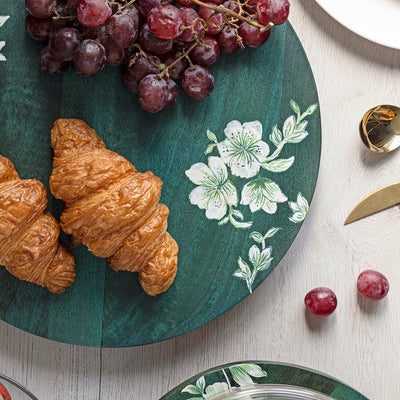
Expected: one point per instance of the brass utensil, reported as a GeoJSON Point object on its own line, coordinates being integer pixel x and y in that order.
{"type": "Point", "coordinates": [380, 128]}
{"type": "Point", "coordinates": [378, 200]}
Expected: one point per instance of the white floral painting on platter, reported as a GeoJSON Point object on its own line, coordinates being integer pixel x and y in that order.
{"type": "Point", "coordinates": [244, 153]}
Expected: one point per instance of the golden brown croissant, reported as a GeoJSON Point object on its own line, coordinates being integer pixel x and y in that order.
{"type": "Point", "coordinates": [29, 247]}
{"type": "Point", "coordinates": [111, 208]}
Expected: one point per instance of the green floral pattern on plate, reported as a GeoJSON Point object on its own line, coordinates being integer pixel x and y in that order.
{"type": "Point", "coordinates": [220, 380]}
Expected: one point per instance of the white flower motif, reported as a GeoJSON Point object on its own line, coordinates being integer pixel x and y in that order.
{"type": "Point", "coordinates": [214, 389]}
{"type": "Point", "coordinates": [243, 150]}
{"type": "Point", "coordinates": [262, 193]}
{"type": "Point", "coordinates": [214, 191]}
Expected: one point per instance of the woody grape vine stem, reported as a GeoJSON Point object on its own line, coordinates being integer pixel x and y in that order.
{"type": "Point", "coordinates": [227, 11]}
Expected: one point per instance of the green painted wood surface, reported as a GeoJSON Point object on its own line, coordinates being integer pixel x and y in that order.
{"type": "Point", "coordinates": [277, 374]}
{"type": "Point", "coordinates": [104, 308]}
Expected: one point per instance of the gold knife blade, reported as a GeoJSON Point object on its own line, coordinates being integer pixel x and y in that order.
{"type": "Point", "coordinates": [378, 200]}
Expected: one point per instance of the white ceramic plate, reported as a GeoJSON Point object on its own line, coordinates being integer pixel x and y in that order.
{"type": "Point", "coordinates": [376, 20]}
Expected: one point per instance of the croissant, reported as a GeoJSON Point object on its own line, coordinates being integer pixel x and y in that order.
{"type": "Point", "coordinates": [111, 208]}
{"type": "Point", "coordinates": [29, 247]}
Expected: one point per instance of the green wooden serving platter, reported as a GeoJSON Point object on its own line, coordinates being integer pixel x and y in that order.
{"type": "Point", "coordinates": [262, 380]}
{"type": "Point", "coordinates": [239, 170]}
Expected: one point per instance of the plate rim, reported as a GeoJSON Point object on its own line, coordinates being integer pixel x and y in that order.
{"type": "Point", "coordinates": [364, 33]}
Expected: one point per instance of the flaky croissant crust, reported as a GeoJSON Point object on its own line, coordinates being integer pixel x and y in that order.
{"type": "Point", "coordinates": [111, 208]}
{"type": "Point", "coordinates": [29, 247]}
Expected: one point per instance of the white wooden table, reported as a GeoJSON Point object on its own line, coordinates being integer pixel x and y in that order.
{"type": "Point", "coordinates": [359, 344]}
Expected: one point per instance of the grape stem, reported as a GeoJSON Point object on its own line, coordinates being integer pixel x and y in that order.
{"type": "Point", "coordinates": [227, 11]}
{"type": "Point", "coordinates": [186, 53]}
{"type": "Point", "coordinates": [145, 55]}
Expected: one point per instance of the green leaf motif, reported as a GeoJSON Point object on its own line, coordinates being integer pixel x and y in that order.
{"type": "Point", "coordinates": [297, 137]}
{"type": "Point", "coordinates": [280, 165]}
{"type": "Point", "coordinates": [3, 19]}
{"type": "Point", "coordinates": [276, 136]}
{"type": "Point", "coordinates": [256, 236]}
{"type": "Point", "coordinates": [209, 148]}
{"type": "Point", "coordinates": [293, 205]}
{"type": "Point", "coordinates": [215, 388]}
{"type": "Point", "coordinates": [299, 208]}
{"type": "Point", "coordinates": [240, 274]}
{"type": "Point", "coordinates": [254, 255]}
{"type": "Point", "coordinates": [271, 232]}
{"type": "Point", "coordinates": [244, 267]}
{"type": "Point", "coordinates": [241, 225]}
{"type": "Point", "coordinates": [254, 370]}
{"type": "Point", "coordinates": [289, 127]}
{"type": "Point", "coordinates": [302, 126]}
{"type": "Point", "coordinates": [211, 136]}
{"type": "Point", "coordinates": [295, 106]}
{"type": "Point", "coordinates": [201, 383]}
{"type": "Point", "coordinates": [302, 203]}
{"type": "Point", "coordinates": [311, 109]}
{"type": "Point", "coordinates": [223, 221]}
{"type": "Point", "coordinates": [192, 390]}
{"type": "Point", "coordinates": [238, 214]}
{"type": "Point", "coordinates": [240, 376]}
{"type": "Point", "coordinates": [297, 217]}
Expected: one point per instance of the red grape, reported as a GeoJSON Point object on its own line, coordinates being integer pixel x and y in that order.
{"type": "Point", "coordinates": [232, 5]}
{"type": "Point", "coordinates": [67, 12]}
{"type": "Point", "coordinates": [152, 43]}
{"type": "Point", "coordinates": [215, 21]}
{"type": "Point", "coordinates": [179, 68]}
{"type": "Point", "coordinates": [186, 3]}
{"type": "Point", "coordinates": [92, 33]}
{"type": "Point", "coordinates": [37, 28]}
{"type": "Point", "coordinates": [49, 64]}
{"type": "Point", "coordinates": [144, 6]}
{"type": "Point", "coordinates": [227, 40]}
{"type": "Point", "coordinates": [153, 93]}
{"type": "Point", "coordinates": [188, 17]}
{"type": "Point", "coordinates": [138, 67]}
{"type": "Point", "coordinates": [114, 55]}
{"type": "Point", "coordinates": [321, 302]}
{"type": "Point", "coordinates": [89, 57]}
{"type": "Point", "coordinates": [63, 43]}
{"type": "Point", "coordinates": [172, 93]}
{"type": "Point", "coordinates": [93, 13]}
{"type": "Point", "coordinates": [198, 82]}
{"type": "Point", "coordinates": [164, 21]}
{"type": "Point", "coordinates": [372, 285]}
{"type": "Point", "coordinates": [123, 28]}
{"type": "Point", "coordinates": [206, 53]}
{"type": "Point", "coordinates": [40, 8]}
{"type": "Point", "coordinates": [252, 36]}
{"type": "Point", "coordinates": [275, 11]}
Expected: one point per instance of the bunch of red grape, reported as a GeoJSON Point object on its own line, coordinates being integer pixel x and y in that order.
{"type": "Point", "coordinates": [156, 41]}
